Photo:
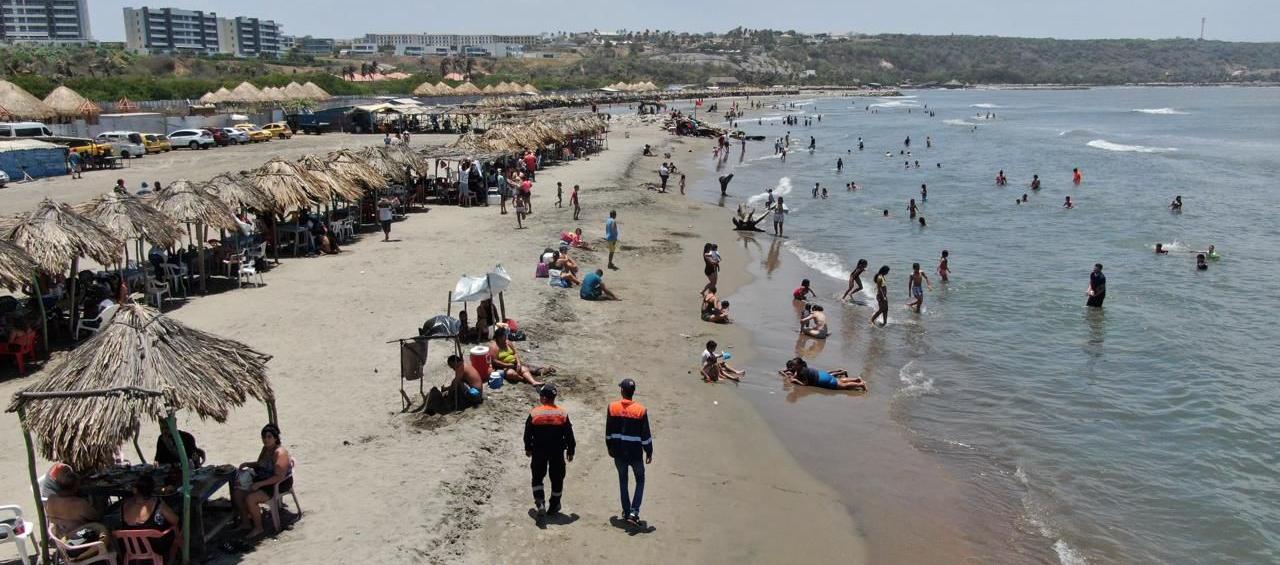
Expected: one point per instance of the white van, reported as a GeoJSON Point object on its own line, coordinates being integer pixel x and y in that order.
{"type": "Point", "coordinates": [123, 143]}
{"type": "Point", "coordinates": [9, 130]}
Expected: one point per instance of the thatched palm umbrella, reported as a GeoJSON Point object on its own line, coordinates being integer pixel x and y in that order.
{"type": "Point", "coordinates": [338, 186]}
{"type": "Point", "coordinates": [18, 104]}
{"type": "Point", "coordinates": [15, 266]}
{"type": "Point", "coordinates": [238, 192]}
{"type": "Point", "coordinates": [129, 217]}
{"type": "Point", "coordinates": [69, 104]}
{"type": "Point", "coordinates": [288, 186]}
{"type": "Point", "coordinates": [356, 170]}
{"type": "Point", "coordinates": [55, 236]}
{"type": "Point", "coordinates": [79, 416]}
{"type": "Point", "coordinates": [190, 203]}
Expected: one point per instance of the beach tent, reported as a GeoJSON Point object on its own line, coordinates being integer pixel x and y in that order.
{"type": "Point", "coordinates": [69, 104]}
{"type": "Point", "coordinates": [36, 158]}
{"type": "Point", "coordinates": [17, 104]}
{"type": "Point", "coordinates": [140, 367]}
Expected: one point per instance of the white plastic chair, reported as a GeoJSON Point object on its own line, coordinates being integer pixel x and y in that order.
{"type": "Point", "coordinates": [105, 555]}
{"type": "Point", "coordinates": [277, 497]}
{"type": "Point", "coordinates": [176, 276]}
{"type": "Point", "coordinates": [16, 530]}
{"type": "Point", "coordinates": [247, 273]}
{"type": "Point", "coordinates": [156, 291]}
{"type": "Point", "coordinates": [95, 325]}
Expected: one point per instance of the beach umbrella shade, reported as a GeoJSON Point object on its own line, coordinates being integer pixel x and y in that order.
{"type": "Point", "coordinates": [200, 372]}
{"type": "Point", "coordinates": [355, 169]}
{"type": "Point", "coordinates": [288, 186]}
{"type": "Point", "coordinates": [238, 192]}
{"type": "Point", "coordinates": [190, 203]}
{"type": "Point", "coordinates": [16, 267]}
{"type": "Point", "coordinates": [338, 186]}
{"type": "Point", "coordinates": [70, 104]}
{"type": "Point", "coordinates": [130, 217]}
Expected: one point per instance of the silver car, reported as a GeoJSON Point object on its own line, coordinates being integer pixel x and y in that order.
{"type": "Point", "coordinates": [236, 136]}
{"type": "Point", "coordinates": [4, 178]}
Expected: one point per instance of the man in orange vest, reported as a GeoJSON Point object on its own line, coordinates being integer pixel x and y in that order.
{"type": "Point", "coordinates": [548, 441]}
{"type": "Point", "coordinates": [626, 434]}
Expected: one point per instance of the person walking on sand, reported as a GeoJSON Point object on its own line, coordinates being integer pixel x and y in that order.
{"type": "Point", "coordinates": [855, 280]}
{"type": "Point", "coordinates": [916, 282]}
{"type": "Point", "coordinates": [559, 194]}
{"type": "Point", "coordinates": [573, 201]}
{"type": "Point", "coordinates": [711, 264]}
{"type": "Point", "coordinates": [944, 267]}
{"type": "Point", "coordinates": [549, 444]}
{"type": "Point", "coordinates": [664, 173]}
{"type": "Point", "coordinates": [611, 235]}
{"type": "Point", "coordinates": [882, 296]}
{"type": "Point", "coordinates": [627, 437]}
{"type": "Point", "coordinates": [385, 205]}
{"type": "Point", "coordinates": [1097, 287]}
{"type": "Point", "coordinates": [681, 184]}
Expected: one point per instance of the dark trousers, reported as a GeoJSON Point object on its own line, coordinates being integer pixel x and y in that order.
{"type": "Point", "coordinates": [540, 465]}
{"type": "Point", "coordinates": [630, 504]}
{"type": "Point", "coordinates": [1096, 300]}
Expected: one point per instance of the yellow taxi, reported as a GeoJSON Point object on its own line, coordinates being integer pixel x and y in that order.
{"type": "Point", "coordinates": [85, 147]}
{"type": "Point", "coordinates": [156, 143]}
{"type": "Point", "coordinates": [279, 129]}
{"type": "Point", "coordinates": [256, 133]}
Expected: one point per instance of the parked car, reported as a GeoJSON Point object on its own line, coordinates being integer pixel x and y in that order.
{"type": "Point", "coordinates": [192, 138]}
{"type": "Point", "coordinates": [279, 129]}
{"type": "Point", "coordinates": [4, 178]}
{"type": "Point", "coordinates": [124, 144]}
{"type": "Point", "coordinates": [236, 136]}
{"type": "Point", "coordinates": [219, 136]}
{"type": "Point", "coordinates": [256, 133]}
{"type": "Point", "coordinates": [84, 146]}
{"type": "Point", "coordinates": [23, 129]}
{"type": "Point", "coordinates": [156, 143]}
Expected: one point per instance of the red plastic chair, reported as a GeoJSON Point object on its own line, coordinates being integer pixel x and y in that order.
{"type": "Point", "coordinates": [20, 348]}
{"type": "Point", "coordinates": [137, 545]}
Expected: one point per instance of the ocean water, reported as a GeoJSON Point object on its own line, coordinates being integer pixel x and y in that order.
{"type": "Point", "coordinates": [1039, 431]}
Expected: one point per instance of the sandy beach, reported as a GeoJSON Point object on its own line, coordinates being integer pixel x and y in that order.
{"type": "Point", "coordinates": [379, 486]}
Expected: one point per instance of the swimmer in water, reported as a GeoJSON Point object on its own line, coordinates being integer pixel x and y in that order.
{"type": "Point", "coordinates": [885, 213]}
{"type": "Point", "coordinates": [882, 296]}
{"type": "Point", "coordinates": [922, 223]}
{"type": "Point", "coordinates": [912, 209]}
{"type": "Point", "coordinates": [824, 192]}
{"type": "Point", "coordinates": [802, 292]}
{"type": "Point", "coordinates": [1076, 176]}
{"type": "Point", "coordinates": [1209, 253]}
{"type": "Point", "coordinates": [1000, 179]}
{"type": "Point", "coordinates": [1160, 250]}
{"type": "Point", "coordinates": [944, 266]}
{"type": "Point", "coordinates": [800, 373]}
{"type": "Point", "coordinates": [815, 323]}
{"type": "Point", "coordinates": [916, 282]}
{"type": "Point", "coordinates": [888, 154]}
{"type": "Point", "coordinates": [839, 165]}
{"type": "Point", "coordinates": [855, 279]}
{"type": "Point", "coordinates": [1068, 204]}
{"type": "Point", "coordinates": [924, 193]}
{"type": "Point", "coordinates": [1176, 205]}
{"type": "Point", "coordinates": [1035, 182]}
{"type": "Point", "coordinates": [1024, 197]}
{"type": "Point", "coordinates": [1200, 264]}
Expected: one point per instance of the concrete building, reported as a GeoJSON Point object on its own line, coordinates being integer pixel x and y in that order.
{"type": "Point", "coordinates": [170, 30]}
{"type": "Point", "coordinates": [482, 45]}
{"type": "Point", "coordinates": [308, 45]}
{"type": "Point", "coordinates": [255, 37]}
{"type": "Point", "coordinates": [44, 21]}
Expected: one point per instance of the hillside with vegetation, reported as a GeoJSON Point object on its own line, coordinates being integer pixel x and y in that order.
{"type": "Point", "coordinates": [593, 60]}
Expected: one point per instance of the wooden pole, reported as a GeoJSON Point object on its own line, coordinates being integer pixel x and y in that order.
{"type": "Point", "coordinates": [172, 425]}
{"type": "Point", "coordinates": [44, 320]}
{"type": "Point", "coordinates": [35, 485]}
{"type": "Point", "coordinates": [142, 458]}
{"type": "Point", "coordinates": [75, 305]}
{"type": "Point", "coordinates": [204, 276]}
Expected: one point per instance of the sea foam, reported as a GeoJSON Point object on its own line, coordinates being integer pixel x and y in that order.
{"type": "Point", "coordinates": [828, 264]}
{"type": "Point", "coordinates": [1160, 111]}
{"type": "Point", "coordinates": [783, 188]}
{"type": "Point", "coordinates": [985, 105]}
{"type": "Point", "coordinates": [1109, 146]}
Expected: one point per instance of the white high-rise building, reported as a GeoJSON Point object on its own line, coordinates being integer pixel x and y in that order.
{"type": "Point", "coordinates": [44, 21]}
{"type": "Point", "coordinates": [172, 30]}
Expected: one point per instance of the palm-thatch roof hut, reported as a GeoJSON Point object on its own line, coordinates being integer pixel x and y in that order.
{"type": "Point", "coordinates": [488, 89]}
{"type": "Point", "coordinates": [237, 192]}
{"type": "Point", "coordinates": [209, 98]}
{"type": "Point", "coordinates": [222, 95]}
{"type": "Point", "coordinates": [425, 89]}
{"type": "Point", "coordinates": [245, 92]}
{"type": "Point", "coordinates": [16, 267]}
{"type": "Point", "coordinates": [338, 186]}
{"type": "Point", "coordinates": [528, 87]}
{"type": "Point", "coordinates": [356, 170]}
{"type": "Point", "coordinates": [186, 201]}
{"type": "Point", "coordinates": [295, 91]}
{"type": "Point", "coordinates": [315, 92]}
{"type": "Point", "coordinates": [55, 235]}
{"type": "Point", "coordinates": [18, 104]}
{"type": "Point", "coordinates": [467, 88]}
{"type": "Point", "coordinates": [287, 185]}
{"type": "Point", "coordinates": [70, 104]}
{"type": "Point", "coordinates": [198, 371]}
{"type": "Point", "coordinates": [130, 217]}
{"type": "Point", "coordinates": [443, 89]}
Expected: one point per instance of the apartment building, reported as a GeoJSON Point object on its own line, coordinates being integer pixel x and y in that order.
{"type": "Point", "coordinates": [170, 30]}
{"type": "Point", "coordinates": [257, 38]}
{"type": "Point", "coordinates": [44, 21]}
{"type": "Point", "coordinates": [479, 45]}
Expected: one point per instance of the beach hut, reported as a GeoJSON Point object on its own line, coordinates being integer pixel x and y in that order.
{"type": "Point", "coordinates": [424, 89]}
{"type": "Point", "coordinates": [17, 104]}
{"type": "Point", "coordinates": [238, 192]}
{"type": "Point", "coordinates": [209, 98]}
{"type": "Point", "coordinates": [529, 88]}
{"type": "Point", "coordinates": [27, 156]}
{"type": "Point", "coordinates": [294, 91]}
{"type": "Point", "coordinates": [141, 367]}
{"type": "Point", "coordinates": [55, 236]}
{"type": "Point", "coordinates": [191, 204]}
{"type": "Point", "coordinates": [245, 92]}
{"type": "Point", "coordinates": [467, 88]}
{"type": "Point", "coordinates": [222, 95]}
{"type": "Point", "coordinates": [315, 92]}
{"type": "Point", "coordinates": [70, 105]}
{"type": "Point", "coordinates": [128, 217]}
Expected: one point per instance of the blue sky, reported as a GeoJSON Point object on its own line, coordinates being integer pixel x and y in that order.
{"type": "Point", "coordinates": [1235, 20]}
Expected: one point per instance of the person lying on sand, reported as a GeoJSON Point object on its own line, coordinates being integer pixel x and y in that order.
{"type": "Point", "coordinates": [505, 358]}
{"type": "Point", "coordinates": [800, 373]}
{"type": "Point", "coordinates": [574, 239]}
{"type": "Point", "coordinates": [716, 367]}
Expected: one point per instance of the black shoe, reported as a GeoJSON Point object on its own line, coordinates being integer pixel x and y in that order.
{"type": "Point", "coordinates": [633, 519]}
{"type": "Point", "coordinates": [542, 510]}
{"type": "Point", "coordinates": [554, 507]}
